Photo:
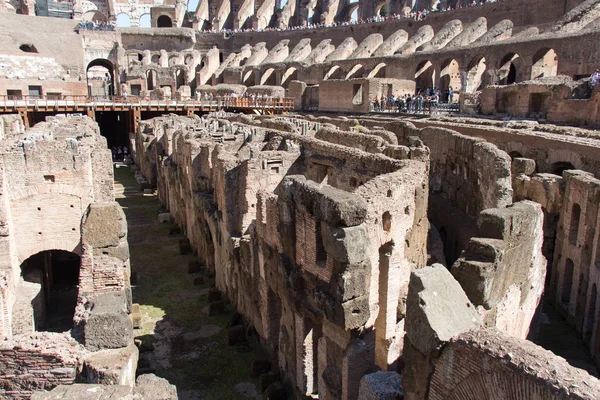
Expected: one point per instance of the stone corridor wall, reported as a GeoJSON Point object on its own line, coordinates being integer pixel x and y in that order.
{"type": "Point", "coordinates": [311, 241]}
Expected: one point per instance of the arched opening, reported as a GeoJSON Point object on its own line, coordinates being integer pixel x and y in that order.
{"type": "Point", "coordinates": [100, 78]}
{"type": "Point", "coordinates": [515, 154]}
{"type": "Point", "coordinates": [193, 5]}
{"type": "Point", "coordinates": [249, 79]}
{"type": "Point", "coordinates": [355, 72]}
{"type": "Point", "coordinates": [164, 22]}
{"type": "Point", "coordinates": [268, 77]}
{"type": "Point", "coordinates": [47, 292]}
{"type": "Point", "coordinates": [173, 60]}
{"type": "Point", "coordinates": [94, 16]}
{"type": "Point", "coordinates": [510, 69]}
{"type": "Point", "coordinates": [378, 71]}
{"type": "Point", "coordinates": [545, 63]}
{"type": "Point", "coordinates": [155, 59]}
{"type": "Point", "coordinates": [450, 80]}
{"type": "Point", "coordinates": [150, 79]}
{"type": "Point", "coordinates": [567, 282]}
{"type": "Point", "coordinates": [559, 167]}
{"type": "Point", "coordinates": [475, 79]}
{"type": "Point", "coordinates": [28, 48]}
{"type": "Point", "coordinates": [574, 223]}
{"type": "Point", "coordinates": [334, 73]}
{"type": "Point", "coordinates": [386, 221]}
{"type": "Point", "coordinates": [289, 75]}
{"type": "Point", "coordinates": [381, 9]}
{"type": "Point", "coordinates": [145, 21]}
{"type": "Point", "coordinates": [424, 76]}
{"type": "Point", "coordinates": [123, 20]}
{"type": "Point", "coordinates": [353, 13]}
{"type": "Point", "coordinates": [591, 313]}
{"type": "Point", "coordinates": [179, 78]}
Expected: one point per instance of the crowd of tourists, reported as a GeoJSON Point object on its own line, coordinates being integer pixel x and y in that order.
{"type": "Point", "coordinates": [424, 102]}
{"type": "Point", "coordinates": [414, 15]}
{"type": "Point", "coordinates": [96, 26]}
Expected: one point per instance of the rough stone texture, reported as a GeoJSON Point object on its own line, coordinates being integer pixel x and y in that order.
{"type": "Point", "coordinates": [106, 324]}
{"type": "Point", "coordinates": [474, 363]}
{"type": "Point", "coordinates": [437, 309]}
{"type": "Point", "coordinates": [503, 269]}
{"type": "Point", "coordinates": [148, 387]}
{"type": "Point", "coordinates": [381, 386]}
{"type": "Point", "coordinates": [112, 367]}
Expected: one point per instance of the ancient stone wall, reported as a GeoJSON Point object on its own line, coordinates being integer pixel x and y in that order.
{"type": "Point", "coordinates": [57, 194]}
{"type": "Point", "coordinates": [300, 237]}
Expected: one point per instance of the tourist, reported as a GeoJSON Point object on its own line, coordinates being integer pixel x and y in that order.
{"type": "Point", "coordinates": [595, 79]}
{"type": "Point", "coordinates": [450, 95]}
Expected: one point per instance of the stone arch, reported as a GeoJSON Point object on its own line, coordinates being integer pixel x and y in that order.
{"type": "Point", "coordinates": [180, 77]}
{"type": "Point", "coordinates": [47, 292]}
{"type": "Point", "coordinates": [424, 76]}
{"type": "Point", "coordinates": [381, 9]}
{"type": "Point", "coordinates": [164, 21]}
{"type": "Point", "coordinates": [123, 20]}
{"type": "Point", "coordinates": [100, 77]}
{"type": "Point", "coordinates": [353, 12]}
{"type": "Point", "coordinates": [510, 69]}
{"type": "Point", "coordinates": [560, 166]}
{"type": "Point", "coordinates": [545, 63]}
{"type": "Point", "coordinates": [145, 21]}
{"type": "Point", "coordinates": [249, 78]}
{"type": "Point", "coordinates": [334, 72]}
{"type": "Point", "coordinates": [151, 77]}
{"type": "Point", "coordinates": [475, 74]}
{"type": "Point", "coordinates": [590, 320]}
{"type": "Point", "coordinates": [450, 77]}
{"type": "Point", "coordinates": [567, 283]}
{"type": "Point", "coordinates": [94, 15]}
{"type": "Point", "coordinates": [289, 75]}
{"type": "Point", "coordinates": [268, 77]}
{"type": "Point", "coordinates": [378, 72]}
{"type": "Point", "coordinates": [356, 71]}
{"type": "Point", "coordinates": [155, 59]}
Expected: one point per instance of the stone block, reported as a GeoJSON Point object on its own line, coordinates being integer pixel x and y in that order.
{"type": "Point", "coordinates": [184, 247]}
{"type": "Point", "coordinates": [266, 380]}
{"type": "Point", "coordinates": [120, 252]}
{"type": "Point", "coordinates": [236, 335]}
{"type": "Point", "coordinates": [381, 386]}
{"type": "Point", "coordinates": [214, 295]}
{"type": "Point", "coordinates": [104, 225]}
{"type": "Point", "coordinates": [136, 320]}
{"type": "Point", "coordinates": [346, 245]}
{"type": "Point", "coordinates": [151, 387]}
{"type": "Point", "coordinates": [334, 206]}
{"type": "Point", "coordinates": [199, 280]}
{"type": "Point", "coordinates": [275, 391]}
{"type": "Point", "coordinates": [194, 267]}
{"type": "Point", "coordinates": [437, 309]}
{"type": "Point", "coordinates": [164, 217]}
{"type": "Point", "coordinates": [216, 308]}
{"type": "Point", "coordinates": [259, 367]}
{"type": "Point", "coordinates": [524, 166]}
{"type": "Point", "coordinates": [106, 324]}
{"type": "Point", "coordinates": [112, 367]}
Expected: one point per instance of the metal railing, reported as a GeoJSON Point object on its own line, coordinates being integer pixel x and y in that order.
{"type": "Point", "coordinates": [70, 101]}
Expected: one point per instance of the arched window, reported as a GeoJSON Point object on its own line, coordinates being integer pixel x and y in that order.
{"type": "Point", "coordinates": [567, 282]}
{"type": "Point", "coordinates": [123, 20]}
{"type": "Point", "coordinates": [164, 22]}
{"type": "Point", "coordinates": [574, 227]}
{"type": "Point", "coordinates": [145, 21]}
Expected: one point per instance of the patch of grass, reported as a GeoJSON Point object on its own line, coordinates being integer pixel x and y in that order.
{"type": "Point", "coordinates": [162, 275]}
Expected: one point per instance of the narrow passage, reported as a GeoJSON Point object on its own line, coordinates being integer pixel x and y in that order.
{"type": "Point", "coordinates": [179, 341]}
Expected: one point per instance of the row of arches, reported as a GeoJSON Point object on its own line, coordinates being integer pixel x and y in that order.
{"type": "Point", "coordinates": [124, 20]}
{"type": "Point", "coordinates": [476, 75]}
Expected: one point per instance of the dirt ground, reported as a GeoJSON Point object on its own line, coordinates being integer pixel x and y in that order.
{"type": "Point", "coordinates": [180, 342]}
